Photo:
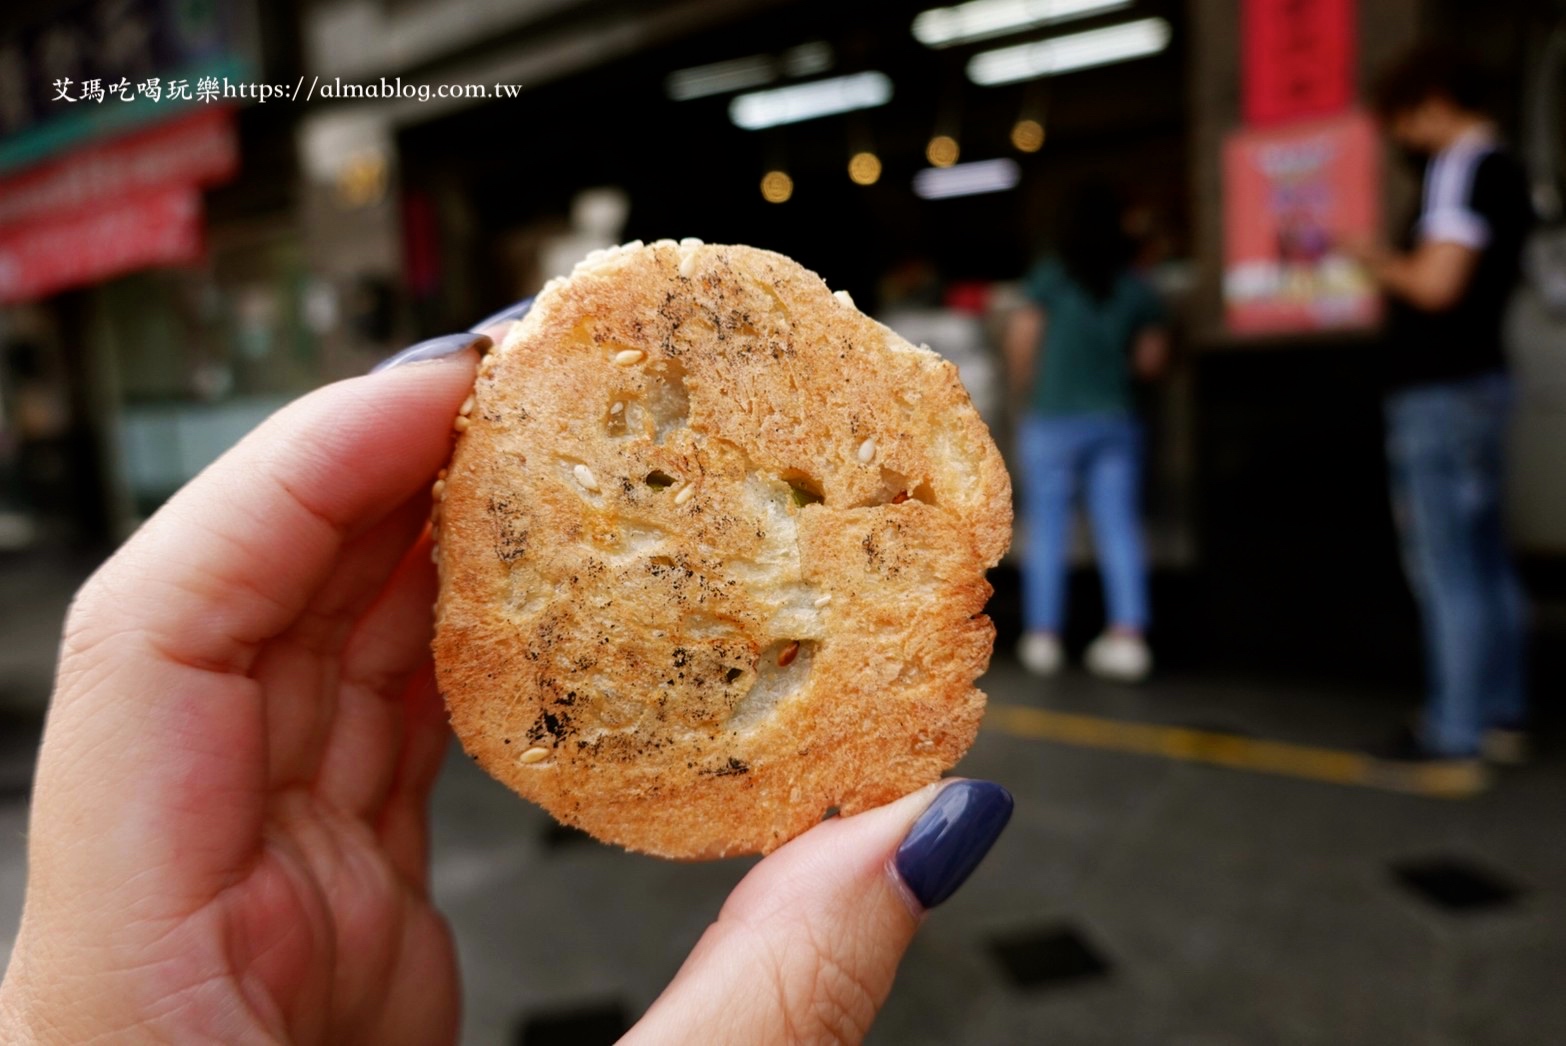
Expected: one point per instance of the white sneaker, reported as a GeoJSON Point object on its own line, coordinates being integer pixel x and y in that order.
{"type": "Point", "coordinates": [1040, 653]}
{"type": "Point", "coordinates": [1123, 658]}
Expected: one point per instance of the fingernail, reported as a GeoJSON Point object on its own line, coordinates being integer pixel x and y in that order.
{"type": "Point", "coordinates": [510, 314]}
{"type": "Point", "coordinates": [433, 349]}
{"type": "Point", "coordinates": [951, 837]}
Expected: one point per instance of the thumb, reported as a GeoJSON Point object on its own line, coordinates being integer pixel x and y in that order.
{"type": "Point", "coordinates": [806, 947]}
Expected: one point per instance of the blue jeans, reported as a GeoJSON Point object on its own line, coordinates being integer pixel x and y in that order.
{"type": "Point", "coordinates": [1099, 455]}
{"type": "Point", "coordinates": [1446, 448]}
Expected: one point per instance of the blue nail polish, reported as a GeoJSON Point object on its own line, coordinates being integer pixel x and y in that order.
{"type": "Point", "coordinates": [510, 314]}
{"type": "Point", "coordinates": [433, 349]}
{"type": "Point", "coordinates": [951, 837]}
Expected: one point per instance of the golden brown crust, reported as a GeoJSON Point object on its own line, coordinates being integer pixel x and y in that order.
{"type": "Point", "coordinates": [630, 545]}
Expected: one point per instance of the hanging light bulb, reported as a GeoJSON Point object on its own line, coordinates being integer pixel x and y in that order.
{"type": "Point", "coordinates": [942, 151]}
{"type": "Point", "coordinates": [1027, 136]}
{"type": "Point", "coordinates": [864, 168]}
{"type": "Point", "coordinates": [776, 187]}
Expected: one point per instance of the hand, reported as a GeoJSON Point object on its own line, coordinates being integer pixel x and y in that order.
{"type": "Point", "coordinates": [229, 833]}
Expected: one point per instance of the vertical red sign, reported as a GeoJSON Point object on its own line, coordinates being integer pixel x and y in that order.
{"type": "Point", "coordinates": [1298, 58]}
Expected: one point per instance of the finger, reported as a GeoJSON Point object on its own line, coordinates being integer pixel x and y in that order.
{"type": "Point", "coordinates": [807, 945]}
{"type": "Point", "coordinates": [359, 576]}
{"type": "Point", "coordinates": [300, 672]}
{"type": "Point", "coordinates": [234, 558]}
{"type": "Point", "coordinates": [389, 646]}
{"type": "Point", "coordinates": [404, 820]}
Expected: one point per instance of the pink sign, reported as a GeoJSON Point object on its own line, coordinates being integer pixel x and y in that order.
{"type": "Point", "coordinates": [1291, 196]}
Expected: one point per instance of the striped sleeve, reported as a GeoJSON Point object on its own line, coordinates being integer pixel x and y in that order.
{"type": "Point", "coordinates": [1448, 214]}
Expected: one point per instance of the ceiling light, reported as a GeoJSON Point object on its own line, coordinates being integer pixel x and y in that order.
{"type": "Point", "coordinates": [864, 169]}
{"type": "Point", "coordinates": [807, 59]}
{"type": "Point", "coordinates": [942, 151]}
{"type": "Point", "coordinates": [782, 105]}
{"type": "Point", "coordinates": [1027, 136]}
{"type": "Point", "coordinates": [1061, 54]}
{"type": "Point", "coordinates": [702, 81]}
{"type": "Point", "coordinates": [720, 77]}
{"type": "Point", "coordinates": [967, 179]}
{"type": "Point", "coordinates": [983, 19]}
{"type": "Point", "coordinates": [776, 187]}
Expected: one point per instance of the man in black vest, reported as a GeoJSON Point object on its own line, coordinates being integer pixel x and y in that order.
{"type": "Point", "coordinates": [1447, 406]}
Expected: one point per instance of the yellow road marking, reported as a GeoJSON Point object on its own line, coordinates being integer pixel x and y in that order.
{"type": "Point", "coordinates": [1237, 753]}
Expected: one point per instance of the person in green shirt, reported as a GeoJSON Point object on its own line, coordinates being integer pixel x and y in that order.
{"type": "Point", "coordinates": [1090, 328]}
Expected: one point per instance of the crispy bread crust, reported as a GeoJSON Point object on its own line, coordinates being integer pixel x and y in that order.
{"type": "Point", "coordinates": [647, 623]}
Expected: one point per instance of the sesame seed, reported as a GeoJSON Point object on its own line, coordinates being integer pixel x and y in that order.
{"type": "Point", "coordinates": [626, 357]}
{"type": "Point", "coordinates": [617, 408]}
{"type": "Point", "coordinates": [688, 265]}
{"type": "Point", "coordinates": [585, 477]}
{"type": "Point", "coordinates": [867, 450]}
{"type": "Point", "coordinates": [533, 755]}
{"type": "Point", "coordinates": [822, 601]}
{"type": "Point", "coordinates": [438, 490]}
{"type": "Point", "coordinates": [844, 297]}
{"type": "Point", "coordinates": [690, 241]}
{"type": "Point", "coordinates": [441, 474]}
{"type": "Point", "coordinates": [634, 245]}
{"type": "Point", "coordinates": [787, 655]}
{"type": "Point", "coordinates": [467, 405]}
{"type": "Point", "coordinates": [460, 424]}
{"type": "Point", "coordinates": [686, 493]}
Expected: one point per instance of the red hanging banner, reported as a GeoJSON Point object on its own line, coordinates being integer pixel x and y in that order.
{"type": "Point", "coordinates": [198, 149]}
{"type": "Point", "coordinates": [1297, 58]}
{"type": "Point", "coordinates": [113, 206]}
{"type": "Point", "coordinates": [161, 227]}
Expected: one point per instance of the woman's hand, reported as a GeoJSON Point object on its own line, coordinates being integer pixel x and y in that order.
{"type": "Point", "coordinates": [228, 827]}
{"type": "Point", "coordinates": [229, 833]}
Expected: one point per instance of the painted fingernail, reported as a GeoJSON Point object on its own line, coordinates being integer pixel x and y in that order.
{"type": "Point", "coordinates": [951, 837]}
{"type": "Point", "coordinates": [433, 349]}
{"type": "Point", "coordinates": [510, 314]}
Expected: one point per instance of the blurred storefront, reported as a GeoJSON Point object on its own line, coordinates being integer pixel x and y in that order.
{"type": "Point", "coordinates": [671, 120]}
{"type": "Point", "coordinates": [911, 154]}
{"type": "Point", "coordinates": [1291, 484]}
{"type": "Point", "coordinates": [153, 296]}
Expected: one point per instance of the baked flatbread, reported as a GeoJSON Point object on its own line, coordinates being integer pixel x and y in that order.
{"type": "Point", "coordinates": [712, 552]}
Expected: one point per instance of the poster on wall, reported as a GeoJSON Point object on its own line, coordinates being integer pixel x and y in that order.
{"type": "Point", "coordinates": [1292, 196]}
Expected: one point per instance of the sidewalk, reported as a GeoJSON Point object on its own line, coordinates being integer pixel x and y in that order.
{"type": "Point", "coordinates": [1135, 898]}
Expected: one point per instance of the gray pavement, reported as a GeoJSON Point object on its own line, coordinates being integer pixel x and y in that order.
{"type": "Point", "coordinates": [1134, 899]}
{"type": "Point", "coordinates": [1218, 907]}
